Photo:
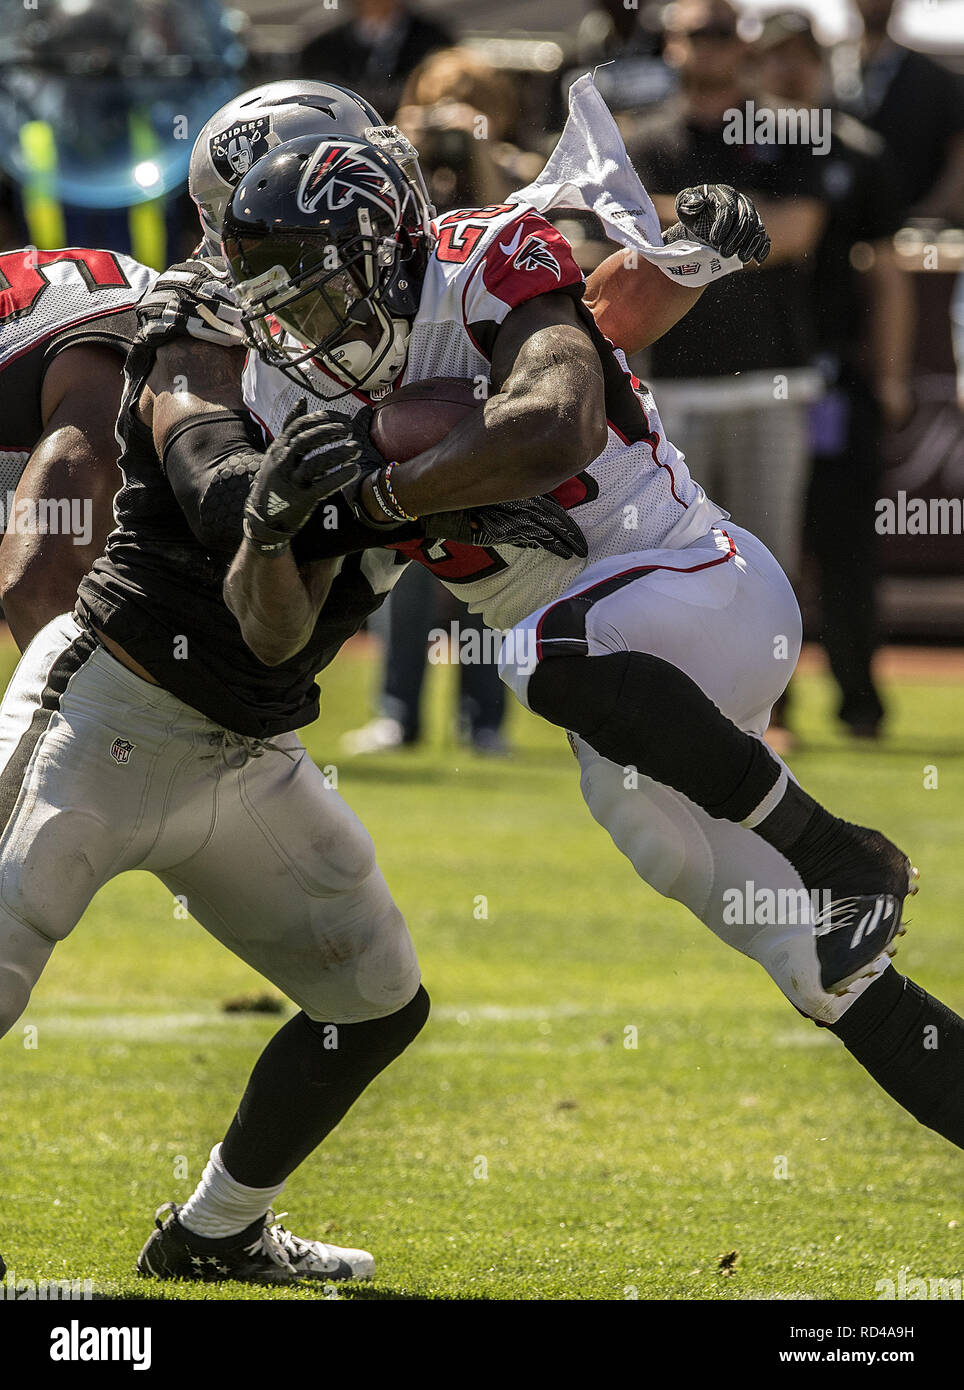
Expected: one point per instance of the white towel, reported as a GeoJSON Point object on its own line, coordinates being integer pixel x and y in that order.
{"type": "Point", "coordinates": [590, 170]}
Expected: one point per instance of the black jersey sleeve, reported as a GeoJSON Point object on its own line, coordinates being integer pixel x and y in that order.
{"type": "Point", "coordinates": [116, 331]}
{"type": "Point", "coordinates": [211, 461]}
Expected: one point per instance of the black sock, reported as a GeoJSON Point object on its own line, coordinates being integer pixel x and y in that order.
{"type": "Point", "coordinates": [304, 1082]}
{"type": "Point", "coordinates": [640, 711]}
{"type": "Point", "coordinates": [913, 1046]}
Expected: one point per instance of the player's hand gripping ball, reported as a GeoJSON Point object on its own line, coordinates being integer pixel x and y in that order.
{"type": "Point", "coordinates": [315, 455]}
{"type": "Point", "coordinates": [417, 417]}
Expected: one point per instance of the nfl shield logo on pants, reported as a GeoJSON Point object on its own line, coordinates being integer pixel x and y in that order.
{"type": "Point", "coordinates": [121, 750]}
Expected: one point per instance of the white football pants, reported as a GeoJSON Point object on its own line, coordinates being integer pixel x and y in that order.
{"type": "Point", "coordinates": [101, 772]}
{"type": "Point", "coordinates": [722, 611]}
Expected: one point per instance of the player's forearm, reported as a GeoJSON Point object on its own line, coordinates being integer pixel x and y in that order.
{"type": "Point", "coordinates": [544, 421]}
{"type": "Point", "coordinates": [62, 513]}
{"type": "Point", "coordinates": [633, 303]}
{"type": "Point", "coordinates": [276, 603]}
{"type": "Point", "coordinates": [512, 448]}
{"type": "Point", "coordinates": [208, 444]}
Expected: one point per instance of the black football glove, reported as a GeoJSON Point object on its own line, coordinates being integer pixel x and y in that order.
{"type": "Point", "coordinates": [716, 214]}
{"type": "Point", "coordinates": [533, 523]}
{"type": "Point", "coordinates": [314, 455]}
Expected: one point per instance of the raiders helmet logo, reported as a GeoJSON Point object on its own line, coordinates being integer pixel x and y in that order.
{"type": "Point", "coordinates": [234, 150]}
{"type": "Point", "coordinates": [339, 172]}
{"type": "Point", "coordinates": [535, 254]}
{"type": "Point", "coordinates": [121, 750]}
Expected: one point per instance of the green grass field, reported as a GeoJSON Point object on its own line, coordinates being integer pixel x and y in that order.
{"type": "Point", "coordinates": [519, 1150]}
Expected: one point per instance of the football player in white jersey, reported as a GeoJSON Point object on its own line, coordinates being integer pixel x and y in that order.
{"type": "Point", "coordinates": [66, 323]}
{"type": "Point", "coordinates": [662, 651]}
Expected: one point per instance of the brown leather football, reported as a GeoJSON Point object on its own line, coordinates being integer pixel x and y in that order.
{"type": "Point", "coordinates": [415, 417]}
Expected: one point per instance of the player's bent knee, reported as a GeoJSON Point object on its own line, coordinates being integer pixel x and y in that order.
{"type": "Point", "coordinates": [365, 968]}
{"type": "Point", "coordinates": [23, 955]}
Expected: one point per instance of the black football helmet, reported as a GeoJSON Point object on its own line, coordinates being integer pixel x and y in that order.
{"type": "Point", "coordinates": [327, 241]}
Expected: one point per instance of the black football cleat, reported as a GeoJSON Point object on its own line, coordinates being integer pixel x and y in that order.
{"type": "Point", "coordinates": [862, 915]}
{"type": "Point", "coordinates": [264, 1253]}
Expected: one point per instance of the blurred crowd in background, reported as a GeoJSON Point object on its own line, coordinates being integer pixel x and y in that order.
{"type": "Point", "coordinates": [801, 392]}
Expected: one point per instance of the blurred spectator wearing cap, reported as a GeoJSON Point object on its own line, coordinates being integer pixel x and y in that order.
{"type": "Point", "coordinates": [375, 50]}
{"type": "Point", "coordinates": [99, 104]}
{"type": "Point", "coordinates": [734, 375]}
{"type": "Point", "coordinates": [865, 334]}
{"type": "Point", "coordinates": [916, 105]}
{"type": "Point", "coordinates": [460, 113]}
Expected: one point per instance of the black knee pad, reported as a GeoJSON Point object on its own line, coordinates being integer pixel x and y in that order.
{"type": "Point", "coordinates": [640, 711]}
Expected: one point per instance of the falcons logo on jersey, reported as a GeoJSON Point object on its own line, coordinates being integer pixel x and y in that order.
{"type": "Point", "coordinates": [338, 173]}
{"type": "Point", "coordinates": [535, 253]}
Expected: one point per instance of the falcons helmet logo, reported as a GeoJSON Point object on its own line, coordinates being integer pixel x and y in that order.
{"type": "Point", "coordinates": [535, 253]}
{"type": "Point", "coordinates": [338, 173]}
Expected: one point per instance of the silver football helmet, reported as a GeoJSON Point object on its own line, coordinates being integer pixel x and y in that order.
{"type": "Point", "coordinates": [255, 122]}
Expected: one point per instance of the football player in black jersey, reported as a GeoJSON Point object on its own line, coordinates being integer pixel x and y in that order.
{"type": "Point", "coordinates": [142, 732]}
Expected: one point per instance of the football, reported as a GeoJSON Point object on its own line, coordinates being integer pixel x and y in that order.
{"type": "Point", "coordinates": [415, 417]}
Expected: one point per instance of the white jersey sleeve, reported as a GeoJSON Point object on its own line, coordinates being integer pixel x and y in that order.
{"type": "Point", "coordinates": [51, 301]}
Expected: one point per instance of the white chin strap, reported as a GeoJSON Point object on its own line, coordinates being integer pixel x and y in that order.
{"type": "Point", "coordinates": [374, 368]}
